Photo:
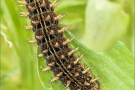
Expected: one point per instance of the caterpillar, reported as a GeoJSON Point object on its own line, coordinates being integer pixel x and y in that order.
{"type": "Point", "coordinates": [54, 47]}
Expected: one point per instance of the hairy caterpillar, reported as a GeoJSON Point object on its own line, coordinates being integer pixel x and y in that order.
{"type": "Point", "coordinates": [54, 47]}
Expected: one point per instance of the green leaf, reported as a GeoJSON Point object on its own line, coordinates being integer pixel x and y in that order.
{"type": "Point", "coordinates": [114, 68]}
{"type": "Point", "coordinates": [106, 23]}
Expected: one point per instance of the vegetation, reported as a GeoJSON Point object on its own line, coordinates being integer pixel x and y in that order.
{"type": "Point", "coordinates": [103, 31]}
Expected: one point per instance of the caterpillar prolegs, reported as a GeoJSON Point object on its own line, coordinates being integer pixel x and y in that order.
{"type": "Point", "coordinates": [54, 47]}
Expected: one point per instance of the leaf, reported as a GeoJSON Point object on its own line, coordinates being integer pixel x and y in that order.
{"type": "Point", "coordinates": [106, 23]}
{"type": "Point", "coordinates": [114, 68]}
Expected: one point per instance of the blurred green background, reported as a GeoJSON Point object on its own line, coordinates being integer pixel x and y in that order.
{"type": "Point", "coordinates": [98, 24]}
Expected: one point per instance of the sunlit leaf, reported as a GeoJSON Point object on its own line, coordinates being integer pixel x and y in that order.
{"type": "Point", "coordinates": [114, 68]}
{"type": "Point", "coordinates": [106, 23]}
